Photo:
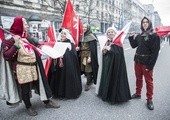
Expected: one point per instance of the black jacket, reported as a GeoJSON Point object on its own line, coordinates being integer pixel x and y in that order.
{"type": "Point", "coordinates": [147, 49]}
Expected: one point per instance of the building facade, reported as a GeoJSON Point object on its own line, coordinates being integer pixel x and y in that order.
{"type": "Point", "coordinates": [99, 13]}
{"type": "Point", "coordinates": [149, 8]}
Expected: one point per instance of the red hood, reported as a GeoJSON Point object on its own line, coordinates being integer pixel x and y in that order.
{"type": "Point", "coordinates": [17, 27]}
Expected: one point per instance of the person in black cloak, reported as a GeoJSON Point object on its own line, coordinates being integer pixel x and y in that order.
{"type": "Point", "coordinates": [113, 85]}
{"type": "Point", "coordinates": [147, 46]}
{"type": "Point", "coordinates": [87, 50]}
{"type": "Point", "coordinates": [24, 67]}
{"type": "Point", "coordinates": [65, 73]}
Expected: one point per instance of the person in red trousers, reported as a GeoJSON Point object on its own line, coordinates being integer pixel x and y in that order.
{"type": "Point", "coordinates": [147, 46]}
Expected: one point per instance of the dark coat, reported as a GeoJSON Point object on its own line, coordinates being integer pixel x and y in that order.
{"type": "Point", "coordinates": [114, 86]}
{"type": "Point", "coordinates": [65, 82]}
{"type": "Point", "coordinates": [147, 44]}
{"type": "Point", "coordinates": [147, 49]}
{"type": "Point", "coordinates": [94, 59]}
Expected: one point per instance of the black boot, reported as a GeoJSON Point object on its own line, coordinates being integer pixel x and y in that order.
{"type": "Point", "coordinates": [135, 96]}
{"type": "Point", "coordinates": [150, 105]}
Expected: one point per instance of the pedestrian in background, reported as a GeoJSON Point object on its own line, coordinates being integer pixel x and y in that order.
{"type": "Point", "coordinates": [87, 50]}
{"type": "Point", "coordinates": [147, 46]}
{"type": "Point", "coordinates": [113, 86]}
{"type": "Point", "coordinates": [26, 66]}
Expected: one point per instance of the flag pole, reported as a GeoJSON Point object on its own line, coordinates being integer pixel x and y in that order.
{"type": "Point", "coordinates": [77, 29]}
{"type": "Point", "coordinates": [6, 31]}
{"type": "Point", "coordinates": [22, 40]}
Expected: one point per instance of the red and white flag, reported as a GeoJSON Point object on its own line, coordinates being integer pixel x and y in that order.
{"type": "Point", "coordinates": [119, 38]}
{"type": "Point", "coordinates": [51, 40]}
{"type": "Point", "coordinates": [72, 22]}
{"type": "Point", "coordinates": [53, 49]}
{"type": "Point", "coordinates": [162, 30]}
{"type": "Point", "coordinates": [1, 34]}
{"type": "Point", "coordinates": [50, 34]}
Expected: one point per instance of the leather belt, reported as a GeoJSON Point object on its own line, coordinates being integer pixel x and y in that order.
{"type": "Point", "coordinates": [141, 55]}
{"type": "Point", "coordinates": [30, 64]}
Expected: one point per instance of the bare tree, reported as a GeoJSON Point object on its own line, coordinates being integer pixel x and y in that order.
{"type": "Point", "coordinates": [84, 7]}
{"type": "Point", "coordinates": [87, 9]}
{"type": "Point", "coordinates": [58, 5]}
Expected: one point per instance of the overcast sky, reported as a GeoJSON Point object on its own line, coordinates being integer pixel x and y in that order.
{"type": "Point", "coordinates": [163, 8]}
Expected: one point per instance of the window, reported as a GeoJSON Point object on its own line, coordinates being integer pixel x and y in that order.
{"type": "Point", "coordinates": [77, 7]}
{"type": "Point", "coordinates": [97, 3]}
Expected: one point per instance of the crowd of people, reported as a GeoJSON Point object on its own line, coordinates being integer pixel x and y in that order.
{"type": "Point", "coordinates": [22, 69]}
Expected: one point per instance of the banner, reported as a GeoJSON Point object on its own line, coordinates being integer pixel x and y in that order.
{"type": "Point", "coordinates": [119, 38]}
{"type": "Point", "coordinates": [72, 22]}
{"type": "Point", "coordinates": [162, 30]}
{"type": "Point", "coordinates": [1, 34]}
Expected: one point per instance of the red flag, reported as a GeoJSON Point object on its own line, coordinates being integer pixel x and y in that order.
{"type": "Point", "coordinates": [47, 65]}
{"type": "Point", "coordinates": [50, 34]}
{"type": "Point", "coordinates": [50, 37]}
{"type": "Point", "coordinates": [1, 34]}
{"type": "Point", "coordinates": [162, 30]}
{"type": "Point", "coordinates": [119, 38]}
{"type": "Point", "coordinates": [77, 29]}
{"type": "Point", "coordinates": [51, 42]}
{"type": "Point", "coordinates": [72, 22]}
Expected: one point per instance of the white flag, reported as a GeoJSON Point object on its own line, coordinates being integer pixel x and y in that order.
{"type": "Point", "coordinates": [57, 51]}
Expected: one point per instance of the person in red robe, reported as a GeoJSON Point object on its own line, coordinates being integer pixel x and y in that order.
{"type": "Point", "coordinates": [26, 66]}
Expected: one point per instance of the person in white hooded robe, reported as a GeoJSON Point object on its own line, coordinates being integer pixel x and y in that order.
{"type": "Point", "coordinates": [65, 77]}
{"type": "Point", "coordinates": [112, 85]}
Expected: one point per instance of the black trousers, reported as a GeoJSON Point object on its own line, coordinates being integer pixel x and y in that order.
{"type": "Point", "coordinates": [89, 76]}
{"type": "Point", "coordinates": [25, 93]}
